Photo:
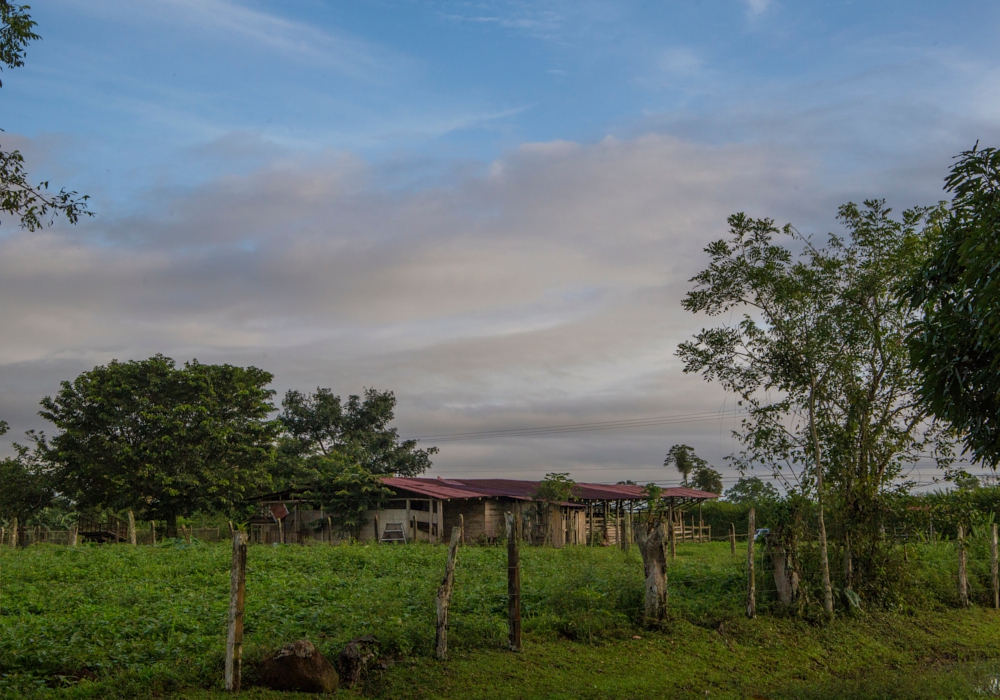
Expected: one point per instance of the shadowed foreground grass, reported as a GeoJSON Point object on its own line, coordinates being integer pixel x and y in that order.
{"type": "Point", "coordinates": [150, 622]}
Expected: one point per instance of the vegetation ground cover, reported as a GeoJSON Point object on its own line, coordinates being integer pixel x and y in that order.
{"type": "Point", "coordinates": [150, 621]}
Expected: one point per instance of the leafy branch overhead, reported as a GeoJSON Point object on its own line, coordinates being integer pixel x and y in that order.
{"type": "Point", "coordinates": [32, 204]}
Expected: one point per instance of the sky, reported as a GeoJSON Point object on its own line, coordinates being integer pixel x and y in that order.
{"type": "Point", "coordinates": [492, 208]}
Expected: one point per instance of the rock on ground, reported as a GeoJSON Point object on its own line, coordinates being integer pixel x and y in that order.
{"type": "Point", "coordinates": [299, 666]}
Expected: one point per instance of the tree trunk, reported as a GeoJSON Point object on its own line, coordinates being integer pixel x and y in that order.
{"type": "Point", "coordinates": [786, 578]}
{"type": "Point", "coordinates": [824, 560]}
{"type": "Point", "coordinates": [651, 537]}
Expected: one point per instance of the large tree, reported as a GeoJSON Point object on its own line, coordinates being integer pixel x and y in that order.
{"type": "Point", "coordinates": [818, 360]}
{"type": "Point", "coordinates": [956, 341]}
{"type": "Point", "coordinates": [27, 485]}
{"type": "Point", "coordinates": [160, 439]}
{"type": "Point", "coordinates": [32, 204]}
{"type": "Point", "coordinates": [321, 423]}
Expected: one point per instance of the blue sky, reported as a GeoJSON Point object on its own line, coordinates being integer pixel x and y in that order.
{"type": "Point", "coordinates": [490, 207]}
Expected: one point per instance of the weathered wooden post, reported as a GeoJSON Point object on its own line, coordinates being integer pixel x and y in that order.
{"type": "Point", "coordinates": [994, 570]}
{"type": "Point", "coordinates": [590, 517]}
{"type": "Point", "coordinates": [672, 535]}
{"type": "Point", "coordinates": [444, 597]}
{"type": "Point", "coordinates": [378, 539]}
{"type": "Point", "coordinates": [963, 579]}
{"type": "Point", "coordinates": [751, 583]}
{"type": "Point", "coordinates": [513, 581]}
{"type": "Point", "coordinates": [237, 594]}
{"type": "Point", "coordinates": [650, 536]}
{"type": "Point", "coordinates": [13, 534]}
{"type": "Point", "coordinates": [131, 528]}
{"type": "Point", "coordinates": [732, 539]}
{"type": "Point", "coordinates": [461, 526]}
{"type": "Point", "coordinates": [152, 531]}
{"type": "Point", "coordinates": [72, 535]}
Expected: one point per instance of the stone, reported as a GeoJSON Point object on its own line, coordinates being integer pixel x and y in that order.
{"type": "Point", "coordinates": [299, 666]}
{"type": "Point", "coordinates": [355, 658]}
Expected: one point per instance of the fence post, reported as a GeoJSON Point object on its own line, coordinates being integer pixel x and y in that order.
{"type": "Point", "coordinates": [513, 581]}
{"type": "Point", "coordinates": [237, 593]}
{"type": "Point", "coordinates": [71, 537]}
{"type": "Point", "coordinates": [444, 597]}
{"type": "Point", "coordinates": [461, 525]}
{"type": "Point", "coordinates": [751, 583]}
{"type": "Point", "coordinates": [13, 534]}
{"type": "Point", "coordinates": [672, 535]}
{"type": "Point", "coordinates": [732, 539]}
{"type": "Point", "coordinates": [131, 528]}
{"type": "Point", "coordinates": [994, 571]}
{"type": "Point", "coordinates": [963, 582]}
{"type": "Point", "coordinates": [378, 538]}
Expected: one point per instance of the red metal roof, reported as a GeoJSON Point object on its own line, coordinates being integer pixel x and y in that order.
{"type": "Point", "coordinates": [447, 489]}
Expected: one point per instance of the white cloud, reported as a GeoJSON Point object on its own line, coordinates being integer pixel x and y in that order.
{"type": "Point", "coordinates": [757, 7]}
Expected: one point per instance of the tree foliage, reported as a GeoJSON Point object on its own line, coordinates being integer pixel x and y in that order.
{"type": "Point", "coordinates": [322, 424]}
{"type": "Point", "coordinates": [752, 490]}
{"type": "Point", "coordinates": [818, 356]}
{"type": "Point", "coordinates": [956, 341]}
{"type": "Point", "coordinates": [33, 205]}
{"type": "Point", "coordinates": [556, 487]}
{"type": "Point", "coordinates": [686, 461]}
{"type": "Point", "coordinates": [27, 485]}
{"type": "Point", "coordinates": [161, 440]}
{"type": "Point", "coordinates": [707, 479]}
{"type": "Point", "coordinates": [345, 489]}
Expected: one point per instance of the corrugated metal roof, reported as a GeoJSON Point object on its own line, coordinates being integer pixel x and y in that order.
{"type": "Point", "coordinates": [447, 489]}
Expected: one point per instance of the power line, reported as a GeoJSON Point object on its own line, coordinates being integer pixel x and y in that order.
{"type": "Point", "coordinates": [622, 424]}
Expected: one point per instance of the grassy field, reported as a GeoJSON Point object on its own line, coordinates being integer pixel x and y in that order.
{"type": "Point", "coordinates": [150, 622]}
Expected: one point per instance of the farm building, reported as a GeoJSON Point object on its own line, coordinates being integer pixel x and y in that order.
{"type": "Point", "coordinates": [426, 509]}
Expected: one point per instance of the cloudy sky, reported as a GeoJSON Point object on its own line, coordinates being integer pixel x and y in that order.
{"type": "Point", "coordinates": [491, 208]}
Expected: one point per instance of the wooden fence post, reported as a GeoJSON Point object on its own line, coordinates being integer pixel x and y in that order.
{"type": "Point", "coordinates": [444, 597]}
{"type": "Point", "coordinates": [963, 581]}
{"type": "Point", "coordinates": [751, 583]}
{"type": "Point", "coordinates": [152, 531]}
{"type": "Point", "coordinates": [590, 515]}
{"type": "Point", "coordinates": [237, 594]}
{"type": "Point", "coordinates": [378, 539]}
{"type": "Point", "coordinates": [732, 539]}
{"type": "Point", "coordinates": [461, 526]}
{"type": "Point", "coordinates": [513, 581]}
{"type": "Point", "coordinates": [650, 538]}
{"type": "Point", "coordinates": [994, 570]}
{"type": "Point", "coordinates": [71, 536]}
{"type": "Point", "coordinates": [13, 534]}
{"type": "Point", "coordinates": [131, 528]}
{"type": "Point", "coordinates": [672, 535]}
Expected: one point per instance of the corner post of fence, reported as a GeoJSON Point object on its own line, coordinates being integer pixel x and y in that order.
{"type": "Point", "coordinates": [963, 581]}
{"type": "Point", "coordinates": [237, 595]}
{"type": "Point", "coordinates": [751, 582]}
{"type": "Point", "coordinates": [513, 581]}
{"type": "Point", "coordinates": [444, 597]}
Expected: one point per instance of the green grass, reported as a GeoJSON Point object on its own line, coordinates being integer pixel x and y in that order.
{"type": "Point", "coordinates": [150, 622]}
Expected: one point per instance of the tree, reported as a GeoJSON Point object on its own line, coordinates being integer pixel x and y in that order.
{"type": "Point", "coordinates": [321, 424]}
{"type": "Point", "coordinates": [686, 461]}
{"type": "Point", "coordinates": [707, 479]}
{"type": "Point", "coordinates": [751, 490]}
{"type": "Point", "coordinates": [819, 362]}
{"type": "Point", "coordinates": [955, 343]}
{"type": "Point", "coordinates": [555, 488]}
{"type": "Point", "coordinates": [31, 204]}
{"type": "Point", "coordinates": [345, 489]}
{"type": "Point", "coordinates": [27, 485]}
{"type": "Point", "coordinates": [161, 440]}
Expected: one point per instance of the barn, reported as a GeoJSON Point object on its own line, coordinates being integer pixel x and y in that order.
{"type": "Point", "coordinates": [426, 510]}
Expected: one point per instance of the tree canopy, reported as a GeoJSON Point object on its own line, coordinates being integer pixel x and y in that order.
{"type": "Point", "coordinates": [686, 461]}
{"type": "Point", "coordinates": [955, 343]}
{"type": "Point", "coordinates": [33, 205]}
{"type": "Point", "coordinates": [818, 358]}
{"type": "Point", "coordinates": [751, 490]}
{"type": "Point", "coordinates": [162, 440]}
{"type": "Point", "coordinates": [322, 424]}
